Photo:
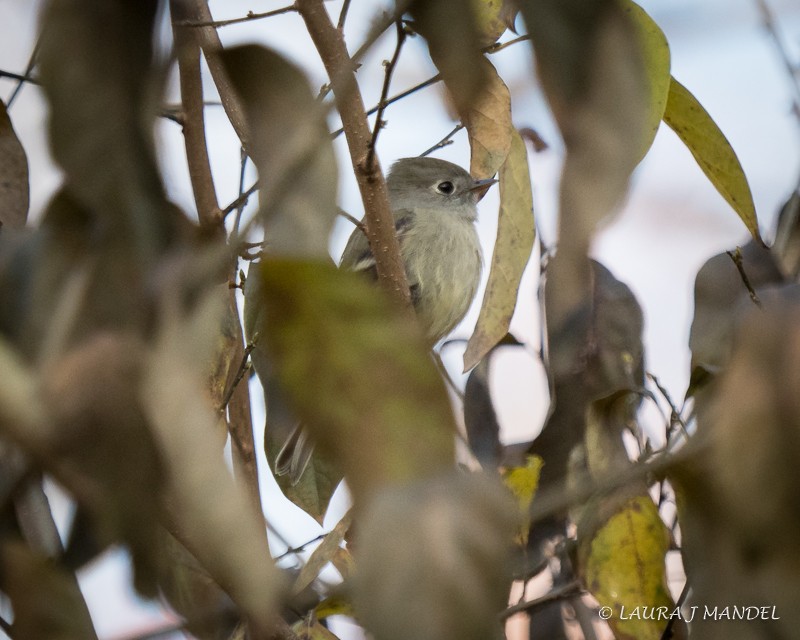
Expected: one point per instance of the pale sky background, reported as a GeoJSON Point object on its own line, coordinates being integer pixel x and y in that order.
{"type": "Point", "coordinates": [671, 223]}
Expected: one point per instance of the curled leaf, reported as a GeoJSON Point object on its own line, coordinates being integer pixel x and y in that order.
{"type": "Point", "coordinates": [709, 146]}
{"type": "Point", "coordinates": [515, 235]}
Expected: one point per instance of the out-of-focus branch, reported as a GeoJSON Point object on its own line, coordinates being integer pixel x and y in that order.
{"type": "Point", "coordinates": [248, 18]}
{"type": "Point", "coordinates": [211, 45]}
{"type": "Point", "coordinates": [377, 214]}
{"type": "Point", "coordinates": [188, 54]}
{"type": "Point", "coordinates": [792, 68]}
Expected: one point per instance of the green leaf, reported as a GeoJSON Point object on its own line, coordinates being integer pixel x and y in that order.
{"type": "Point", "coordinates": [515, 235]}
{"type": "Point", "coordinates": [709, 146]}
{"type": "Point", "coordinates": [656, 58]}
{"type": "Point", "coordinates": [14, 190]}
{"type": "Point", "coordinates": [355, 372]}
{"type": "Point", "coordinates": [623, 566]}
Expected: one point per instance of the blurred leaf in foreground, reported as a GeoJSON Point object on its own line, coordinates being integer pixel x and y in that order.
{"type": "Point", "coordinates": [14, 190]}
{"type": "Point", "coordinates": [46, 599]}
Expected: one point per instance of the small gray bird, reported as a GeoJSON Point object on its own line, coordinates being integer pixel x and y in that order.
{"type": "Point", "coordinates": [434, 204]}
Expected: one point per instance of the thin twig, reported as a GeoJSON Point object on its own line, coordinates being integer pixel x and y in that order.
{"type": "Point", "coordinates": [209, 40]}
{"type": "Point", "coordinates": [566, 591]}
{"type": "Point", "coordinates": [667, 634]}
{"type": "Point", "coordinates": [379, 27]}
{"type": "Point", "coordinates": [241, 200]}
{"type": "Point", "coordinates": [736, 256]}
{"type": "Point", "coordinates": [792, 69]}
{"type": "Point", "coordinates": [448, 139]}
{"type": "Point", "coordinates": [675, 415]}
{"type": "Point", "coordinates": [393, 99]}
{"type": "Point", "coordinates": [5, 625]}
{"type": "Point", "coordinates": [293, 551]}
{"type": "Point", "coordinates": [343, 15]}
{"type": "Point", "coordinates": [244, 365]}
{"type": "Point", "coordinates": [248, 18]}
{"type": "Point", "coordinates": [17, 76]}
{"type": "Point", "coordinates": [390, 67]}
{"type": "Point", "coordinates": [499, 46]}
{"type": "Point", "coordinates": [28, 69]}
{"type": "Point", "coordinates": [240, 207]}
{"type": "Point", "coordinates": [358, 223]}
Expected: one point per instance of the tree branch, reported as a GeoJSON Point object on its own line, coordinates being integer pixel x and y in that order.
{"type": "Point", "coordinates": [448, 139]}
{"type": "Point", "coordinates": [209, 41]}
{"type": "Point", "coordinates": [377, 213]}
{"type": "Point", "coordinates": [387, 80]}
{"type": "Point", "coordinates": [216, 24]}
{"type": "Point", "coordinates": [188, 54]}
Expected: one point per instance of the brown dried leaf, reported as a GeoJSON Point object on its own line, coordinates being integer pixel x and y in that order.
{"type": "Point", "coordinates": [488, 121]}
{"type": "Point", "coordinates": [14, 189]}
{"type": "Point", "coordinates": [515, 235]}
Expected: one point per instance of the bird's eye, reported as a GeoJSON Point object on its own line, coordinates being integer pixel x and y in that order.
{"type": "Point", "coordinates": [445, 187]}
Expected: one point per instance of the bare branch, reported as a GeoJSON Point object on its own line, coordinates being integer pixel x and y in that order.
{"type": "Point", "coordinates": [736, 256]}
{"type": "Point", "coordinates": [448, 139]}
{"type": "Point", "coordinates": [209, 41]}
{"type": "Point", "coordinates": [399, 96]}
{"type": "Point", "coordinates": [188, 53]}
{"type": "Point", "coordinates": [343, 15]}
{"type": "Point", "coordinates": [561, 593]}
{"type": "Point", "coordinates": [390, 67]}
{"type": "Point", "coordinates": [792, 69]}
{"type": "Point", "coordinates": [241, 200]}
{"type": "Point", "coordinates": [358, 224]}
{"type": "Point", "coordinates": [248, 18]}
{"type": "Point", "coordinates": [17, 76]}
{"type": "Point", "coordinates": [377, 213]}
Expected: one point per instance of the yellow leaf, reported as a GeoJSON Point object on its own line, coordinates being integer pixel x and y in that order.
{"type": "Point", "coordinates": [515, 234]}
{"type": "Point", "coordinates": [701, 135]}
{"type": "Point", "coordinates": [656, 60]}
{"type": "Point", "coordinates": [489, 19]}
{"type": "Point", "coordinates": [523, 482]}
{"type": "Point", "coordinates": [623, 566]}
{"type": "Point", "coordinates": [333, 606]}
{"type": "Point", "coordinates": [488, 123]}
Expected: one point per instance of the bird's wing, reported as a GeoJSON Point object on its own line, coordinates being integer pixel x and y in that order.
{"type": "Point", "coordinates": [358, 256]}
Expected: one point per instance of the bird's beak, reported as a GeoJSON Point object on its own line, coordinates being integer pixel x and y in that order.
{"type": "Point", "coordinates": [480, 187]}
